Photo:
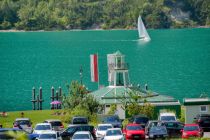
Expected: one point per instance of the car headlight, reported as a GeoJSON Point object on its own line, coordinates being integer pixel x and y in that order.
{"type": "Point", "coordinates": [151, 135]}
{"type": "Point", "coordinates": [184, 133]}
{"type": "Point", "coordinates": [129, 134]}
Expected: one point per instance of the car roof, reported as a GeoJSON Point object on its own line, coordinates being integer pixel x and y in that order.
{"type": "Point", "coordinates": [18, 119]}
{"type": "Point", "coordinates": [9, 129]}
{"type": "Point", "coordinates": [48, 132]}
{"type": "Point", "coordinates": [104, 124]}
{"type": "Point", "coordinates": [133, 124]}
{"type": "Point", "coordinates": [82, 132]}
{"type": "Point", "coordinates": [167, 114]}
{"type": "Point", "coordinates": [191, 125]}
{"type": "Point", "coordinates": [43, 124]}
{"type": "Point", "coordinates": [70, 125]}
{"type": "Point", "coordinates": [53, 120]}
{"type": "Point", "coordinates": [114, 129]}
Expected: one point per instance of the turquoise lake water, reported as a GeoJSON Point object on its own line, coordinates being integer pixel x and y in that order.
{"type": "Point", "coordinates": [175, 62]}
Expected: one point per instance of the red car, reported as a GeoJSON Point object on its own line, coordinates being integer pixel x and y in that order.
{"type": "Point", "coordinates": [134, 131]}
{"type": "Point", "coordinates": [192, 131]}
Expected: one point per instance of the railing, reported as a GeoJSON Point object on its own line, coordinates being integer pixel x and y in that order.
{"type": "Point", "coordinates": [118, 66]}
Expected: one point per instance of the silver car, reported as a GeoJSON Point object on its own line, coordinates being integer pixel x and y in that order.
{"type": "Point", "coordinates": [23, 123]}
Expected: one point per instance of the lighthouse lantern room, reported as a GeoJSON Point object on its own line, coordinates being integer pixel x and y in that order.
{"type": "Point", "coordinates": [117, 70]}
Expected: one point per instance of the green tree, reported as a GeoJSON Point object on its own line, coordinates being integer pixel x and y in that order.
{"type": "Point", "coordinates": [78, 96]}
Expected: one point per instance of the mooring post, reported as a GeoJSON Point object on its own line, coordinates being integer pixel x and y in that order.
{"type": "Point", "coordinates": [52, 97]}
{"type": "Point", "coordinates": [146, 87]}
{"type": "Point", "coordinates": [38, 107]}
{"type": "Point", "coordinates": [40, 98]}
{"type": "Point", "coordinates": [56, 97]}
{"type": "Point", "coordinates": [33, 99]}
{"type": "Point", "coordinates": [60, 96]}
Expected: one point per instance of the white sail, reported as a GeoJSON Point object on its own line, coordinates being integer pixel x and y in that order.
{"type": "Point", "coordinates": [143, 35]}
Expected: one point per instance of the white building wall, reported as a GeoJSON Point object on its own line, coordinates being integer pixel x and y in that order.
{"type": "Point", "coordinates": [120, 112]}
{"type": "Point", "coordinates": [192, 111]}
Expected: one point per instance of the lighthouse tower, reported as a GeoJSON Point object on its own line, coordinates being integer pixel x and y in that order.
{"type": "Point", "coordinates": [117, 70]}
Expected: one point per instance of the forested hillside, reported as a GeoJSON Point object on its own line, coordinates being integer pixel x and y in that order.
{"type": "Point", "coordinates": [106, 14]}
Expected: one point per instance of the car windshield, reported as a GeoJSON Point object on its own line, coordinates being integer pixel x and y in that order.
{"type": "Point", "coordinates": [168, 118]}
{"type": "Point", "coordinates": [158, 129]}
{"type": "Point", "coordinates": [47, 136]}
{"type": "Point", "coordinates": [23, 122]}
{"type": "Point", "coordinates": [191, 128]}
{"type": "Point", "coordinates": [113, 132]}
{"type": "Point", "coordinates": [80, 121]}
{"type": "Point", "coordinates": [137, 127]}
{"type": "Point", "coordinates": [56, 123]}
{"type": "Point", "coordinates": [112, 119]}
{"type": "Point", "coordinates": [80, 128]}
{"type": "Point", "coordinates": [104, 128]}
{"type": "Point", "coordinates": [81, 136]}
{"type": "Point", "coordinates": [43, 127]}
{"type": "Point", "coordinates": [141, 120]}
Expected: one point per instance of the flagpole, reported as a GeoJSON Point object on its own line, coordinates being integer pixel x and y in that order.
{"type": "Point", "coordinates": [98, 71]}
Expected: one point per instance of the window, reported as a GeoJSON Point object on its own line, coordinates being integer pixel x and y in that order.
{"type": "Point", "coordinates": [107, 105]}
{"type": "Point", "coordinates": [203, 108]}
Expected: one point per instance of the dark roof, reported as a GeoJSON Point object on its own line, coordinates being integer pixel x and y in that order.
{"type": "Point", "coordinates": [196, 101]}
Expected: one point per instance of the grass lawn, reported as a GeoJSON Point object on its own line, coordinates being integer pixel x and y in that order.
{"type": "Point", "coordinates": [36, 116]}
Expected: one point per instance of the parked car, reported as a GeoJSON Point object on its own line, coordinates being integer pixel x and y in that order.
{"type": "Point", "coordinates": [49, 135]}
{"type": "Point", "coordinates": [56, 124]}
{"type": "Point", "coordinates": [114, 120]}
{"type": "Point", "coordinates": [152, 123]}
{"type": "Point", "coordinates": [192, 131]}
{"type": "Point", "coordinates": [113, 134]}
{"type": "Point", "coordinates": [42, 127]}
{"type": "Point", "coordinates": [101, 130]}
{"type": "Point", "coordinates": [5, 136]}
{"type": "Point", "coordinates": [134, 131]}
{"type": "Point", "coordinates": [79, 120]}
{"type": "Point", "coordinates": [174, 128]}
{"type": "Point", "coordinates": [23, 123]}
{"type": "Point", "coordinates": [157, 132]}
{"type": "Point", "coordinates": [140, 119]}
{"type": "Point", "coordinates": [203, 120]}
{"type": "Point", "coordinates": [168, 116]}
{"type": "Point", "coordinates": [69, 132]}
{"type": "Point", "coordinates": [82, 135]}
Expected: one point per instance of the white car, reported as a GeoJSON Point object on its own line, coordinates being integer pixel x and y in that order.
{"type": "Point", "coordinates": [49, 135]}
{"type": "Point", "coordinates": [82, 135]}
{"type": "Point", "coordinates": [42, 127]}
{"type": "Point", "coordinates": [114, 134]}
{"type": "Point", "coordinates": [168, 116]}
{"type": "Point", "coordinates": [101, 129]}
{"type": "Point", "coordinates": [23, 123]}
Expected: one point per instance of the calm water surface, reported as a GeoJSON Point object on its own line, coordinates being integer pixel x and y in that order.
{"type": "Point", "coordinates": [174, 62]}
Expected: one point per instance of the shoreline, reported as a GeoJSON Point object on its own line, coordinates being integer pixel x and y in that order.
{"type": "Point", "coordinates": [96, 29]}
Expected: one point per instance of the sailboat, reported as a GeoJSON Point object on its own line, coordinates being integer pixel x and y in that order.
{"type": "Point", "coordinates": [143, 35]}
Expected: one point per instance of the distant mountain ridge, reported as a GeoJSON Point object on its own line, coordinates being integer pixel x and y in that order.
{"type": "Point", "coordinates": [102, 14]}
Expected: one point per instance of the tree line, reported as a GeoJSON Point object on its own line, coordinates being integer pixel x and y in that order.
{"type": "Point", "coordinates": [105, 14]}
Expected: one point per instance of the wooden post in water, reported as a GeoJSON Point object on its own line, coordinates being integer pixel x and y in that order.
{"type": "Point", "coordinates": [40, 98]}
{"type": "Point", "coordinates": [146, 87]}
{"type": "Point", "coordinates": [38, 108]}
{"type": "Point", "coordinates": [56, 97]}
{"type": "Point", "coordinates": [33, 99]}
{"type": "Point", "coordinates": [52, 97]}
{"type": "Point", "coordinates": [60, 96]}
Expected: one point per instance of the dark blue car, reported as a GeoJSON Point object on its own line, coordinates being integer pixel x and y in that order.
{"type": "Point", "coordinates": [5, 133]}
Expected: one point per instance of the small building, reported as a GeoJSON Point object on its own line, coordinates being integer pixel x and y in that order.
{"type": "Point", "coordinates": [195, 106]}
{"type": "Point", "coordinates": [119, 87]}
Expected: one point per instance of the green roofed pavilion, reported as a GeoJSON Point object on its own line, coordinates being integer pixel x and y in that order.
{"type": "Point", "coordinates": [119, 87]}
